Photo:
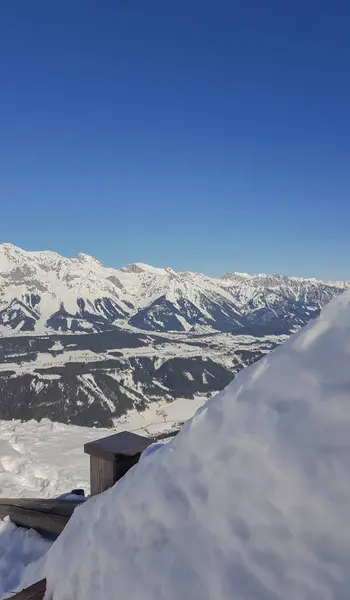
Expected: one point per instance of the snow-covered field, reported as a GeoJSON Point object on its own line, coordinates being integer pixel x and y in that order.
{"type": "Point", "coordinates": [249, 502]}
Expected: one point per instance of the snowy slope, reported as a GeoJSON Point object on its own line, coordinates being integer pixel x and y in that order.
{"type": "Point", "coordinates": [43, 292]}
{"type": "Point", "coordinates": [250, 501]}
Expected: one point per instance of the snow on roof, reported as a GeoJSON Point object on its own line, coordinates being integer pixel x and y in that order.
{"type": "Point", "coordinates": [249, 502]}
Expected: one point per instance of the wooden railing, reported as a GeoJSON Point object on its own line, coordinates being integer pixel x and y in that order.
{"type": "Point", "coordinates": [46, 516]}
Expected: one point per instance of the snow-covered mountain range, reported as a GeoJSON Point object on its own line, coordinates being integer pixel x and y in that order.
{"type": "Point", "coordinates": [43, 292]}
{"type": "Point", "coordinates": [81, 343]}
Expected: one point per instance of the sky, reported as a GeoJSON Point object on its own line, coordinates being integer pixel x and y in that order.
{"type": "Point", "coordinates": [201, 135]}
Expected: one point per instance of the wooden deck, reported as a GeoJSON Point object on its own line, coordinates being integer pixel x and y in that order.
{"type": "Point", "coordinates": [46, 516]}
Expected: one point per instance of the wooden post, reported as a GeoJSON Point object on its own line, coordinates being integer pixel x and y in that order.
{"type": "Point", "coordinates": [103, 474]}
{"type": "Point", "coordinates": [111, 457]}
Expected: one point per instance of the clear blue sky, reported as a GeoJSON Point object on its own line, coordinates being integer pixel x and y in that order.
{"type": "Point", "coordinates": [203, 135]}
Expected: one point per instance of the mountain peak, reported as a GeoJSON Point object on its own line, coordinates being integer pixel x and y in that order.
{"type": "Point", "coordinates": [86, 258]}
{"type": "Point", "coordinates": [139, 267]}
{"type": "Point", "coordinates": [9, 248]}
{"type": "Point", "coordinates": [10, 256]}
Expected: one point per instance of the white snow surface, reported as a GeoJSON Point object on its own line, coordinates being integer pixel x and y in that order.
{"type": "Point", "coordinates": [22, 557]}
{"type": "Point", "coordinates": [43, 459]}
{"type": "Point", "coordinates": [249, 502]}
{"type": "Point", "coordinates": [47, 459]}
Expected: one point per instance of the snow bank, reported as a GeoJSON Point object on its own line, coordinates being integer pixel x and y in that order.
{"type": "Point", "coordinates": [22, 558]}
{"type": "Point", "coordinates": [249, 502]}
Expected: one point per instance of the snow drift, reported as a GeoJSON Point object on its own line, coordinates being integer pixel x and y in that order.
{"type": "Point", "coordinates": [22, 557]}
{"type": "Point", "coordinates": [249, 502]}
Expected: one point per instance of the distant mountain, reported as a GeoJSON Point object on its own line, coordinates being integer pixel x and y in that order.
{"type": "Point", "coordinates": [85, 344]}
{"type": "Point", "coordinates": [43, 293]}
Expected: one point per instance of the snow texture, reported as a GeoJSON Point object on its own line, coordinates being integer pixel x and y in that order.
{"type": "Point", "coordinates": [22, 558]}
{"type": "Point", "coordinates": [43, 459]}
{"type": "Point", "coordinates": [47, 459]}
{"type": "Point", "coordinates": [249, 502]}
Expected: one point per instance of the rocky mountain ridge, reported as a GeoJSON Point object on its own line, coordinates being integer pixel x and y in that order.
{"type": "Point", "coordinates": [45, 293]}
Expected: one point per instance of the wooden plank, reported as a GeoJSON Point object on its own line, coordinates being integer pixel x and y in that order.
{"type": "Point", "coordinates": [43, 515]}
{"type": "Point", "coordinates": [42, 522]}
{"type": "Point", "coordinates": [103, 474]}
{"type": "Point", "coordinates": [34, 592]}
{"type": "Point", "coordinates": [123, 444]}
{"type": "Point", "coordinates": [59, 506]}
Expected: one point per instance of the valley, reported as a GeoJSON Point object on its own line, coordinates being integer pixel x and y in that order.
{"type": "Point", "coordinates": [86, 345]}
